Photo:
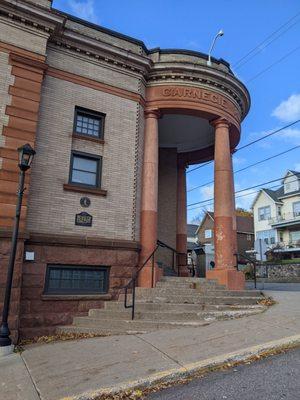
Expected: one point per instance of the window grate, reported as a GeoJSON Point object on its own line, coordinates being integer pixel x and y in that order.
{"type": "Point", "coordinates": [65, 279]}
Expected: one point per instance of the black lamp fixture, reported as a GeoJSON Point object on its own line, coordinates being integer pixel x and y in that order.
{"type": "Point", "coordinates": [26, 154]}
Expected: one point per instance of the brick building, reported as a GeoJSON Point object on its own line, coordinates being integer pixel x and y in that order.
{"type": "Point", "coordinates": [245, 231]}
{"type": "Point", "coordinates": [114, 126]}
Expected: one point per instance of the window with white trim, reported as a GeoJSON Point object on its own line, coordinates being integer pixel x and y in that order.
{"type": "Point", "coordinates": [264, 213]}
{"type": "Point", "coordinates": [208, 233]}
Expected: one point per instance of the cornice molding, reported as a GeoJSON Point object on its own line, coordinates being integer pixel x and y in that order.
{"type": "Point", "coordinates": [230, 87]}
{"type": "Point", "coordinates": [100, 53]}
{"type": "Point", "coordinates": [29, 15]}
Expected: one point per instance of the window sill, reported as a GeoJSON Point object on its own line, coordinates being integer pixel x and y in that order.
{"type": "Point", "coordinates": [85, 189]}
{"type": "Point", "coordinates": [89, 138]}
{"type": "Point", "coordinates": [54, 297]}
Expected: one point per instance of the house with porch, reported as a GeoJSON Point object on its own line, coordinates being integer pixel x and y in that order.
{"type": "Point", "coordinates": [277, 216]}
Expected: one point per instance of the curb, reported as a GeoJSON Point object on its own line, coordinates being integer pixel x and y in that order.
{"type": "Point", "coordinates": [189, 370]}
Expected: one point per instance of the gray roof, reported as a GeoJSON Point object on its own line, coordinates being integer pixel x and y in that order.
{"type": "Point", "coordinates": [274, 193]}
{"type": "Point", "coordinates": [191, 230]}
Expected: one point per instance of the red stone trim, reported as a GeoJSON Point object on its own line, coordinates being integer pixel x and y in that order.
{"type": "Point", "coordinates": [85, 137]}
{"type": "Point", "coordinates": [28, 71]}
{"type": "Point", "coordinates": [8, 48]}
{"type": "Point", "coordinates": [82, 189]}
{"type": "Point", "coordinates": [216, 123]}
{"type": "Point", "coordinates": [83, 241]}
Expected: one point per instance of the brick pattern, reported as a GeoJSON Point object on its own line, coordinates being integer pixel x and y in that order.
{"type": "Point", "coordinates": [41, 314]}
{"type": "Point", "coordinates": [6, 79]}
{"type": "Point", "coordinates": [67, 60]}
{"type": "Point", "coordinates": [103, 36]}
{"type": "Point", "coordinates": [22, 114]}
{"type": "Point", "coordinates": [52, 209]}
{"type": "Point", "coordinates": [20, 35]}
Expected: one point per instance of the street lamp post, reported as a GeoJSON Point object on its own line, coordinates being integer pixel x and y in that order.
{"type": "Point", "coordinates": [26, 154]}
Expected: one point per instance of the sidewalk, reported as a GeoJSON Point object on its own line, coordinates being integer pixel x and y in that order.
{"type": "Point", "coordinates": [84, 368]}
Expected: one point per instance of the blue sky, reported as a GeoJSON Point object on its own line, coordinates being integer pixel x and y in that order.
{"type": "Point", "coordinates": [191, 25]}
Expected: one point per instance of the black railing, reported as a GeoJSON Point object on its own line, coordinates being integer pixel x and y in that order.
{"type": "Point", "coordinates": [132, 283]}
{"type": "Point", "coordinates": [251, 261]}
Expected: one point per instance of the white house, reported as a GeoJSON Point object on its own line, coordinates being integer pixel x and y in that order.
{"type": "Point", "coordinates": [277, 215]}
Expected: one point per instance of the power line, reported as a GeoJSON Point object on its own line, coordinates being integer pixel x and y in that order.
{"type": "Point", "coordinates": [261, 46]}
{"type": "Point", "coordinates": [272, 65]}
{"type": "Point", "coordinates": [242, 195]}
{"type": "Point", "coordinates": [249, 166]}
{"type": "Point", "coordinates": [199, 166]}
{"type": "Point", "coordinates": [250, 143]}
{"type": "Point", "coordinates": [268, 135]}
{"type": "Point", "coordinates": [238, 191]}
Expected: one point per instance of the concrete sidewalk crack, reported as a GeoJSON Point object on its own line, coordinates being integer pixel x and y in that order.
{"type": "Point", "coordinates": [161, 351]}
{"type": "Point", "coordinates": [31, 378]}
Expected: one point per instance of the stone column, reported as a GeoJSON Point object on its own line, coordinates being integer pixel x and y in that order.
{"type": "Point", "coordinates": [181, 234]}
{"type": "Point", "coordinates": [149, 197]}
{"type": "Point", "coordinates": [234, 223]}
{"type": "Point", "coordinates": [224, 270]}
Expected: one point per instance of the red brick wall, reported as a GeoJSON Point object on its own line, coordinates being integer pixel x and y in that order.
{"type": "Point", "coordinates": [5, 245]}
{"type": "Point", "coordinates": [40, 314]}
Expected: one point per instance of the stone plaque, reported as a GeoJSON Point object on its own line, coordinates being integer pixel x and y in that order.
{"type": "Point", "coordinates": [83, 219]}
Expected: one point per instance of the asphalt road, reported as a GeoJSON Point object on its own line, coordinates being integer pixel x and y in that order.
{"type": "Point", "coordinates": [273, 378]}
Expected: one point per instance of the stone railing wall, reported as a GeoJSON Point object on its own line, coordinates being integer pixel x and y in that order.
{"type": "Point", "coordinates": [278, 271]}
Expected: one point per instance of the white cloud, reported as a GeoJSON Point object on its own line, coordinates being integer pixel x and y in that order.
{"type": "Point", "coordinates": [246, 199]}
{"type": "Point", "coordinates": [238, 160]}
{"type": "Point", "coordinates": [84, 9]}
{"type": "Point", "coordinates": [207, 192]}
{"type": "Point", "coordinates": [297, 167]}
{"type": "Point", "coordinates": [288, 110]}
{"type": "Point", "coordinates": [292, 135]}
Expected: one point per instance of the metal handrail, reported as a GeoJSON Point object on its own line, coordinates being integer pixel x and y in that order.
{"type": "Point", "coordinates": [132, 282]}
{"type": "Point", "coordinates": [251, 261]}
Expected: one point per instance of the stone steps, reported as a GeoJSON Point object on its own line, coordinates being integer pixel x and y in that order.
{"type": "Point", "coordinates": [170, 316]}
{"type": "Point", "coordinates": [196, 298]}
{"type": "Point", "coordinates": [188, 285]}
{"type": "Point", "coordinates": [174, 302]}
{"type": "Point", "coordinates": [169, 307]}
{"type": "Point", "coordinates": [162, 291]}
{"type": "Point", "coordinates": [146, 325]}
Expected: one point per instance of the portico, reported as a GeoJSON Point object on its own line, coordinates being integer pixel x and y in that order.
{"type": "Point", "coordinates": [199, 124]}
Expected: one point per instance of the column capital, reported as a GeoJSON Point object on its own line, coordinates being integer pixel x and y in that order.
{"type": "Point", "coordinates": [155, 113]}
{"type": "Point", "coordinates": [218, 122]}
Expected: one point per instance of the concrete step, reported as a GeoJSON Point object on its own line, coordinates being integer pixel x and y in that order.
{"type": "Point", "coordinates": [125, 325]}
{"type": "Point", "coordinates": [195, 298]}
{"type": "Point", "coordinates": [189, 285]}
{"type": "Point", "coordinates": [187, 279]}
{"type": "Point", "coordinates": [171, 316]}
{"type": "Point", "coordinates": [162, 291]}
{"type": "Point", "coordinates": [96, 330]}
{"type": "Point", "coordinates": [174, 308]}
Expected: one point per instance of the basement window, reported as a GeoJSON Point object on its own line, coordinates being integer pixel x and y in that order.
{"type": "Point", "coordinates": [70, 279]}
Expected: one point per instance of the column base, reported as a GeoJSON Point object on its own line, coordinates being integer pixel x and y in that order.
{"type": "Point", "coordinates": [231, 278]}
{"type": "Point", "coordinates": [145, 276]}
